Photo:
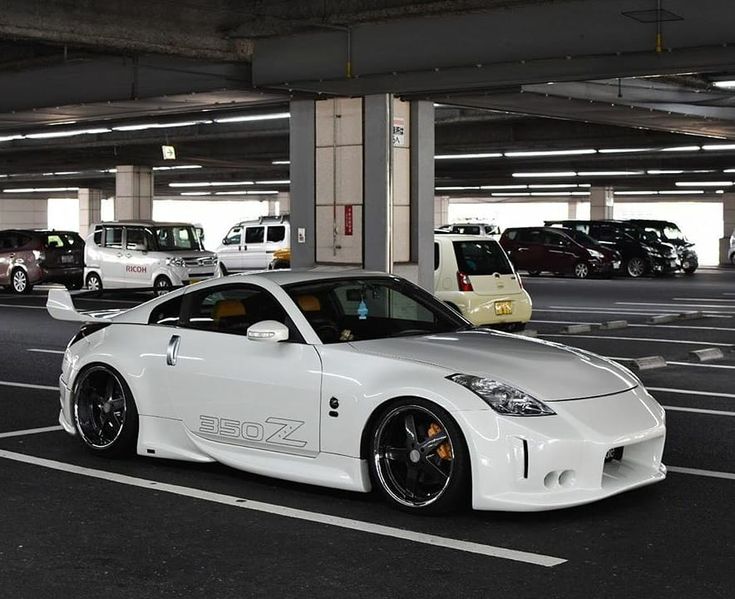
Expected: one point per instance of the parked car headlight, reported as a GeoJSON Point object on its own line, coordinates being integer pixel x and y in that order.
{"type": "Point", "coordinates": [595, 254]}
{"type": "Point", "coordinates": [175, 262]}
{"type": "Point", "coordinates": [503, 398]}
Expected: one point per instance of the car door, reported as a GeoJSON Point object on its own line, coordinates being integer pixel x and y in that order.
{"type": "Point", "coordinates": [112, 262]}
{"type": "Point", "coordinates": [230, 252]}
{"type": "Point", "coordinates": [231, 390]}
{"type": "Point", "coordinates": [253, 255]}
{"type": "Point", "coordinates": [559, 254]}
{"type": "Point", "coordinates": [138, 262]}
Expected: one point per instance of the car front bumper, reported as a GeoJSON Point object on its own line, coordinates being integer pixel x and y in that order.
{"type": "Point", "coordinates": [550, 462]}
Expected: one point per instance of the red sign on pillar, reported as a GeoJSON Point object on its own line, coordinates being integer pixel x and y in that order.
{"type": "Point", "coordinates": [348, 220]}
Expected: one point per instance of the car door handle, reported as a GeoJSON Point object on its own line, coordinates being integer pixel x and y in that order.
{"type": "Point", "coordinates": [128, 255]}
{"type": "Point", "coordinates": [244, 248]}
{"type": "Point", "coordinates": [119, 255]}
{"type": "Point", "coordinates": [173, 350]}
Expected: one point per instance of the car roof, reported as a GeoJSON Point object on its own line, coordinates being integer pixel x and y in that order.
{"type": "Point", "coordinates": [459, 237]}
{"type": "Point", "coordinates": [144, 223]}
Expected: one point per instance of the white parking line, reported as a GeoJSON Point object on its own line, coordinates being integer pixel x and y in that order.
{"type": "Point", "coordinates": [586, 310]}
{"type": "Point", "coordinates": [288, 512]}
{"type": "Point", "coordinates": [698, 411]}
{"type": "Point", "coordinates": [22, 306]}
{"type": "Point", "coordinates": [648, 339]}
{"type": "Point", "coordinates": [722, 366]}
{"type": "Point", "coordinates": [674, 305]}
{"type": "Point", "coordinates": [30, 431]}
{"type": "Point", "coordinates": [46, 351]}
{"type": "Point", "coordinates": [29, 386]}
{"type": "Point", "coordinates": [702, 299]}
{"type": "Point", "coordinates": [691, 392]}
{"type": "Point", "coordinates": [641, 326]}
{"type": "Point", "coordinates": [697, 472]}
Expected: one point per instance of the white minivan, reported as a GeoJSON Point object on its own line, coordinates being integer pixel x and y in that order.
{"type": "Point", "coordinates": [474, 276]}
{"type": "Point", "coordinates": [249, 245]}
{"type": "Point", "coordinates": [145, 254]}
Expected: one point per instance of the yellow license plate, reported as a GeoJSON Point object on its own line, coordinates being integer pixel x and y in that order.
{"type": "Point", "coordinates": [503, 308]}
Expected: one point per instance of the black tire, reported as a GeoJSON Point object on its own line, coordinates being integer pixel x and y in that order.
{"type": "Point", "coordinates": [534, 273]}
{"type": "Point", "coordinates": [162, 285]}
{"type": "Point", "coordinates": [732, 259]}
{"type": "Point", "coordinates": [581, 270]}
{"type": "Point", "coordinates": [223, 269]}
{"type": "Point", "coordinates": [104, 412]}
{"type": "Point", "coordinates": [74, 285]}
{"type": "Point", "coordinates": [428, 471]}
{"type": "Point", "coordinates": [19, 282]}
{"type": "Point", "coordinates": [636, 267]}
{"type": "Point", "coordinates": [94, 284]}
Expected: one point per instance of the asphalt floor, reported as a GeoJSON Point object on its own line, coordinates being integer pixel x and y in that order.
{"type": "Point", "coordinates": [77, 525]}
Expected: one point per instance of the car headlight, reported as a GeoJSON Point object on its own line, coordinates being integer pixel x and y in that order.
{"type": "Point", "coordinates": [175, 262]}
{"type": "Point", "coordinates": [503, 398]}
{"type": "Point", "coordinates": [595, 254]}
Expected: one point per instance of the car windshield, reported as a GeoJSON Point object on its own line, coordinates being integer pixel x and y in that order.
{"type": "Point", "coordinates": [361, 309]}
{"type": "Point", "coordinates": [176, 238]}
{"type": "Point", "coordinates": [673, 233]}
{"type": "Point", "coordinates": [582, 238]}
{"type": "Point", "coordinates": [481, 258]}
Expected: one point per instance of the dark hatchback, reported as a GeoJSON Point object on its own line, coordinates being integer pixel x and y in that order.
{"type": "Point", "coordinates": [28, 258]}
{"type": "Point", "coordinates": [669, 232]}
{"type": "Point", "coordinates": [642, 251]}
{"type": "Point", "coordinates": [561, 251]}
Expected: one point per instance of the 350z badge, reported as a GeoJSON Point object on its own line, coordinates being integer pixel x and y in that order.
{"type": "Point", "coordinates": [278, 430]}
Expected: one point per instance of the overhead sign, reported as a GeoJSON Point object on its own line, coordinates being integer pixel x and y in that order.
{"type": "Point", "coordinates": [399, 131]}
{"type": "Point", "coordinates": [169, 152]}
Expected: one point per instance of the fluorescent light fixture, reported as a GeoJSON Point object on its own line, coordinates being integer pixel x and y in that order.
{"type": "Point", "coordinates": [635, 193]}
{"type": "Point", "coordinates": [244, 192]}
{"type": "Point", "coordinates": [10, 137]}
{"type": "Point", "coordinates": [254, 117]}
{"type": "Point", "coordinates": [532, 153]}
{"type": "Point", "coordinates": [703, 183]}
{"type": "Point", "coordinates": [547, 174]}
{"type": "Point", "coordinates": [727, 84]}
{"type": "Point", "coordinates": [468, 156]}
{"type": "Point", "coordinates": [608, 173]}
{"type": "Point", "coordinates": [210, 183]}
{"type": "Point", "coordinates": [551, 193]}
{"type": "Point", "coordinates": [718, 147]}
{"type": "Point", "coordinates": [729, 170]}
{"type": "Point", "coordinates": [281, 162]}
{"type": "Point", "coordinates": [623, 150]}
{"type": "Point", "coordinates": [720, 191]}
{"type": "Point", "coordinates": [38, 189]}
{"type": "Point", "coordinates": [195, 193]}
{"type": "Point", "coordinates": [504, 186]}
{"type": "Point", "coordinates": [655, 171]}
{"type": "Point", "coordinates": [553, 186]}
{"type": "Point", "coordinates": [57, 173]}
{"type": "Point", "coordinates": [144, 126]}
{"type": "Point", "coordinates": [512, 194]}
{"type": "Point", "coordinates": [274, 182]}
{"type": "Point", "coordinates": [177, 168]}
{"type": "Point", "coordinates": [68, 133]}
{"type": "Point", "coordinates": [681, 192]}
{"type": "Point", "coordinates": [457, 187]}
{"type": "Point", "coordinates": [682, 149]}
{"type": "Point", "coordinates": [580, 193]}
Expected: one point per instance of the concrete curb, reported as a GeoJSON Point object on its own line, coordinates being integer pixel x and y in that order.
{"type": "Point", "coordinates": [706, 355]}
{"type": "Point", "coordinates": [649, 363]}
{"type": "Point", "coordinates": [577, 328]}
{"type": "Point", "coordinates": [663, 318]}
{"type": "Point", "coordinates": [613, 324]}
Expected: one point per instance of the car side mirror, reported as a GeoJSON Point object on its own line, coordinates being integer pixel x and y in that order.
{"type": "Point", "coordinates": [268, 330]}
{"type": "Point", "coordinates": [225, 241]}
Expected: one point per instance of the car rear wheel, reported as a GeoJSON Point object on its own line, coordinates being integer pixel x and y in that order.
{"type": "Point", "coordinates": [636, 267]}
{"type": "Point", "coordinates": [162, 285]}
{"type": "Point", "coordinates": [223, 269]}
{"type": "Point", "coordinates": [19, 281]}
{"type": "Point", "coordinates": [581, 270]}
{"type": "Point", "coordinates": [104, 412]}
{"type": "Point", "coordinates": [94, 283]}
{"type": "Point", "coordinates": [418, 458]}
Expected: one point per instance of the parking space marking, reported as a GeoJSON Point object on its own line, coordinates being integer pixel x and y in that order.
{"type": "Point", "coordinates": [698, 411]}
{"type": "Point", "coordinates": [22, 306]}
{"type": "Point", "coordinates": [29, 386]}
{"type": "Point", "coordinates": [691, 392]}
{"type": "Point", "coordinates": [586, 310]}
{"type": "Point", "coordinates": [702, 299]}
{"type": "Point", "coordinates": [674, 305]}
{"type": "Point", "coordinates": [641, 326]}
{"type": "Point", "coordinates": [647, 339]}
{"type": "Point", "coordinates": [46, 351]}
{"type": "Point", "coordinates": [30, 431]}
{"type": "Point", "coordinates": [697, 472]}
{"type": "Point", "coordinates": [696, 365]}
{"type": "Point", "coordinates": [288, 512]}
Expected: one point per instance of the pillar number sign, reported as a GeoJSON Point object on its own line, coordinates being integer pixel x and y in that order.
{"type": "Point", "coordinates": [399, 131]}
{"type": "Point", "coordinates": [348, 220]}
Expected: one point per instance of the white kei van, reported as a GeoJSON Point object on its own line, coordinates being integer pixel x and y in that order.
{"type": "Point", "coordinates": [474, 276]}
{"type": "Point", "coordinates": [249, 245]}
{"type": "Point", "coordinates": [145, 254]}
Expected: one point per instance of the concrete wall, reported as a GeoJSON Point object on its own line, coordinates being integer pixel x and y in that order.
{"type": "Point", "coordinates": [23, 213]}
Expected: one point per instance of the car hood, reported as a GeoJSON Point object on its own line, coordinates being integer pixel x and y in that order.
{"type": "Point", "coordinates": [547, 371]}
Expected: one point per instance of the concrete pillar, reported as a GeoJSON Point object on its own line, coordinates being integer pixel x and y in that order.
{"type": "Point", "coordinates": [23, 213]}
{"type": "Point", "coordinates": [302, 149]}
{"type": "Point", "coordinates": [441, 211]}
{"type": "Point", "coordinates": [422, 191]}
{"type": "Point", "coordinates": [572, 209]}
{"type": "Point", "coordinates": [284, 202]}
{"type": "Point", "coordinates": [273, 207]}
{"type": "Point", "coordinates": [601, 203]}
{"type": "Point", "coordinates": [133, 192]}
{"type": "Point", "coordinates": [90, 203]}
{"type": "Point", "coordinates": [728, 226]}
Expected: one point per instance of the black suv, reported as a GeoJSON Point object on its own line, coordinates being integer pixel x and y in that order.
{"type": "Point", "coordinates": [642, 251]}
{"type": "Point", "coordinates": [668, 232]}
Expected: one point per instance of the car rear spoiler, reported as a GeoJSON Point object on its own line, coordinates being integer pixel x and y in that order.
{"type": "Point", "coordinates": [61, 307]}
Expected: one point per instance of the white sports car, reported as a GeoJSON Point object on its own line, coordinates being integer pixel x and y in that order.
{"type": "Point", "coordinates": [356, 381]}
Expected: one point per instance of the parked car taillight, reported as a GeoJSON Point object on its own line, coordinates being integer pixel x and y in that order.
{"type": "Point", "coordinates": [463, 281]}
{"type": "Point", "coordinates": [39, 255]}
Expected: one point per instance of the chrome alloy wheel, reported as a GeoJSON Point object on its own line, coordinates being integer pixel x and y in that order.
{"type": "Point", "coordinates": [100, 407]}
{"type": "Point", "coordinates": [581, 270]}
{"type": "Point", "coordinates": [94, 283]}
{"type": "Point", "coordinates": [636, 267]}
{"type": "Point", "coordinates": [20, 281]}
{"type": "Point", "coordinates": [413, 455]}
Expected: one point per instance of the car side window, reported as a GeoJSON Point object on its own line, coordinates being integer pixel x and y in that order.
{"type": "Point", "coordinates": [553, 239]}
{"type": "Point", "coordinates": [5, 241]}
{"type": "Point", "coordinates": [138, 238]}
{"type": "Point", "coordinates": [53, 241]}
{"type": "Point", "coordinates": [254, 234]}
{"type": "Point", "coordinates": [233, 237]}
{"type": "Point", "coordinates": [98, 236]}
{"type": "Point", "coordinates": [167, 313]}
{"type": "Point", "coordinates": [276, 233]}
{"type": "Point", "coordinates": [436, 255]}
{"type": "Point", "coordinates": [113, 237]}
{"type": "Point", "coordinates": [233, 309]}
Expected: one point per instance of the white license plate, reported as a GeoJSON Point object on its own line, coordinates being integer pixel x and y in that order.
{"type": "Point", "coordinates": [67, 259]}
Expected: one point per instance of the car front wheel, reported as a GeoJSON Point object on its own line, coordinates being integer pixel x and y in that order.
{"type": "Point", "coordinates": [581, 270]}
{"type": "Point", "coordinates": [94, 283]}
{"type": "Point", "coordinates": [162, 286]}
{"type": "Point", "coordinates": [636, 267]}
{"type": "Point", "coordinates": [418, 458]}
{"type": "Point", "coordinates": [20, 282]}
{"type": "Point", "coordinates": [104, 412]}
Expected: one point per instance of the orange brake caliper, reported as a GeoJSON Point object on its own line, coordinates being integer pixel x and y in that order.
{"type": "Point", "coordinates": [444, 451]}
